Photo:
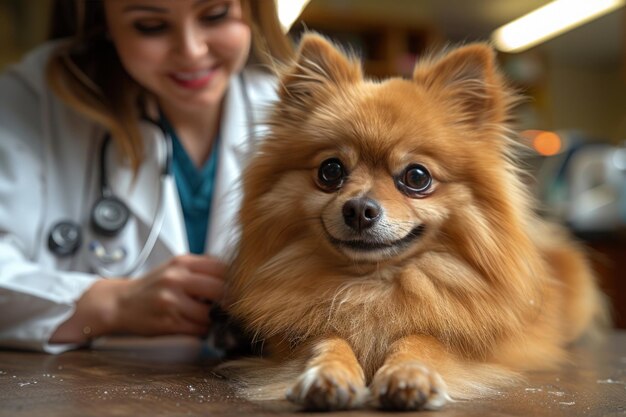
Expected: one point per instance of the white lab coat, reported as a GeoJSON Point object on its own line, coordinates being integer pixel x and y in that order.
{"type": "Point", "coordinates": [49, 159]}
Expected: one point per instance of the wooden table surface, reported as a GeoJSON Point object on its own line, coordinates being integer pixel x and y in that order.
{"type": "Point", "coordinates": [171, 377]}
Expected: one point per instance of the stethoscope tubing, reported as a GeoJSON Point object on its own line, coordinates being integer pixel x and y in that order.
{"type": "Point", "coordinates": [157, 221]}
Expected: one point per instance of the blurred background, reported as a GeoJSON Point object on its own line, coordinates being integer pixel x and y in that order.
{"type": "Point", "coordinates": [573, 121]}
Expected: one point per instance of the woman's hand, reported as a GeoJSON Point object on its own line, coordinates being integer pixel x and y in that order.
{"type": "Point", "coordinates": [172, 299]}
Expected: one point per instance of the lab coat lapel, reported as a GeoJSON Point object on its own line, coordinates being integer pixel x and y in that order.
{"type": "Point", "coordinates": [141, 192]}
{"type": "Point", "coordinates": [233, 149]}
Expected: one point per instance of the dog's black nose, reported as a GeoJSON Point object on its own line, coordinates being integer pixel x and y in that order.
{"type": "Point", "coordinates": [361, 213]}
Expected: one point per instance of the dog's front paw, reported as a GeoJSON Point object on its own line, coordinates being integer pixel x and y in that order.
{"type": "Point", "coordinates": [408, 386]}
{"type": "Point", "coordinates": [327, 388]}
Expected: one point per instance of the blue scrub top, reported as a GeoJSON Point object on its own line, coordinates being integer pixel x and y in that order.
{"type": "Point", "coordinates": [195, 188]}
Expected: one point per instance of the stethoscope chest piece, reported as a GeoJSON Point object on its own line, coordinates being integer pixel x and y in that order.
{"type": "Point", "coordinates": [65, 238]}
{"type": "Point", "coordinates": [109, 215]}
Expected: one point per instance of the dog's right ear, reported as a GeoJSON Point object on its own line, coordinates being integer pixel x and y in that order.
{"type": "Point", "coordinates": [470, 78]}
{"type": "Point", "coordinates": [318, 62]}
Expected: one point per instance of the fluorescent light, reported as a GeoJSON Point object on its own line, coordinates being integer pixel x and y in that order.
{"type": "Point", "coordinates": [549, 21]}
{"type": "Point", "coordinates": [288, 11]}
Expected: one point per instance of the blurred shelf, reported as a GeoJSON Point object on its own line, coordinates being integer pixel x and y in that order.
{"type": "Point", "coordinates": [388, 48]}
{"type": "Point", "coordinates": [608, 259]}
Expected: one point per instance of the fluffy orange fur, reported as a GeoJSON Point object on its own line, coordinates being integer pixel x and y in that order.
{"type": "Point", "coordinates": [450, 287]}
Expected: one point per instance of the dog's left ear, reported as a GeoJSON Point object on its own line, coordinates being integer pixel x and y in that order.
{"type": "Point", "coordinates": [469, 79]}
{"type": "Point", "coordinates": [318, 62]}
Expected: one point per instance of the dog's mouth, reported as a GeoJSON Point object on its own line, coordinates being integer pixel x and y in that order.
{"type": "Point", "coordinates": [373, 245]}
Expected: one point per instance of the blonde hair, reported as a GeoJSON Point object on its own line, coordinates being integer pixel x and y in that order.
{"type": "Point", "coordinates": [86, 73]}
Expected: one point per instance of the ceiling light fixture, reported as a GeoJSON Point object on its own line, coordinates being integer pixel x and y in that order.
{"type": "Point", "coordinates": [549, 21]}
{"type": "Point", "coordinates": [288, 11]}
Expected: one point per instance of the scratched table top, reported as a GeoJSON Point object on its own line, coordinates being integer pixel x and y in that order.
{"type": "Point", "coordinates": [172, 377]}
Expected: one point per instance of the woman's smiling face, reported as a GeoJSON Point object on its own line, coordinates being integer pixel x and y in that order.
{"type": "Point", "coordinates": [183, 51]}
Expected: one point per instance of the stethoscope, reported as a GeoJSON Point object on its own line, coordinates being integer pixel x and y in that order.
{"type": "Point", "coordinates": [109, 214]}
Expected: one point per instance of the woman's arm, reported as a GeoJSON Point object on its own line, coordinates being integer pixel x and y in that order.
{"type": "Point", "coordinates": [172, 299]}
{"type": "Point", "coordinates": [34, 299]}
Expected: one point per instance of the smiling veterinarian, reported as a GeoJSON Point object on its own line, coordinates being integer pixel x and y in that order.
{"type": "Point", "coordinates": [120, 149]}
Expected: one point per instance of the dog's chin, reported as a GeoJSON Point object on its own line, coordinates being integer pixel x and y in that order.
{"type": "Point", "coordinates": [372, 250]}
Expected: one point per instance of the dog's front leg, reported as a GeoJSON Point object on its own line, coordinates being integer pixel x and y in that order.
{"type": "Point", "coordinates": [406, 380]}
{"type": "Point", "coordinates": [333, 378]}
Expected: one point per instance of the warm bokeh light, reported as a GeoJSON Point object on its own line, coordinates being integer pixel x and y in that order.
{"type": "Point", "coordinates": [547, 143]}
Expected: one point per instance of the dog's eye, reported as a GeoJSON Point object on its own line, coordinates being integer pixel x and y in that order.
{"type": "Point", "coordinates": [416, 180]}
{"type": "Point", "coordinates": [331, 174]}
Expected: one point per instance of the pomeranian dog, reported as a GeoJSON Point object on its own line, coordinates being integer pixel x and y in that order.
{"type": "Point", "coordinates": [389, 253]}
